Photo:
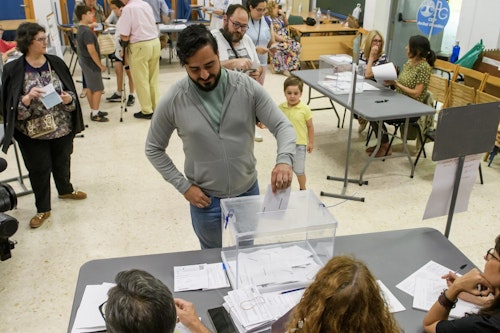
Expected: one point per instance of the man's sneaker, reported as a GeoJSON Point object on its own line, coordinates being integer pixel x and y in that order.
{"type": "Point", "coordinates": [114, 98]}
{"type": "Point", "coordinates": [130, 100]}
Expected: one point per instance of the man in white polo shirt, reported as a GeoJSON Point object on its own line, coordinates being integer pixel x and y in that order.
{"type": "Point", "coordinates": [138, 29]}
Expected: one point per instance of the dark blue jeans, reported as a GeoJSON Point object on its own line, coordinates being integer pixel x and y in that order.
{"type": "Point", "coordinates": [207, 221]}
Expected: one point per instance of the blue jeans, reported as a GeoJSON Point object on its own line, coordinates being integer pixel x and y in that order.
{"type": "Point", "coordinates": [207, 221]}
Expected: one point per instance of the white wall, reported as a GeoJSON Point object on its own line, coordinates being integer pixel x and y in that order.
{"type": "Point", "coordinates": [377, 15]}
{"type": "Point", "coordinates": [479, 19]}
{"type": "Point", "coordinates": [43, 8]}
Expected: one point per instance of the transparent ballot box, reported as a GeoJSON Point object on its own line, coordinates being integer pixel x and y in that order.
{"type": "Point", "coordinates": [336, 73]}
{"type": "Point", "coordinates": [276, 250]}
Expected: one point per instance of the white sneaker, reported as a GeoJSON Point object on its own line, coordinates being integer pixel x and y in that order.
{"type": "Point", "coordinates": [258, 137]}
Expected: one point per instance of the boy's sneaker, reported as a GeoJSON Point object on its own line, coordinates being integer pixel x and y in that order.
{"type": "Point", "coordinates": [114, 98]}
{"type": "Point", "coordinates": [130, 100]}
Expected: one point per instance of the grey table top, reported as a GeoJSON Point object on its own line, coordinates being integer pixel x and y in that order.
{"type": "Point", "coordinates": [391, 256]}
{"type": "Point", "coordinates": [395, 105]}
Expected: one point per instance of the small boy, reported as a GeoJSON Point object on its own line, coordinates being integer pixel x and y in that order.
{"type": "Point", "coordinates": [300, 116]}
{"type": "Point", "coordinates": [90, 61]}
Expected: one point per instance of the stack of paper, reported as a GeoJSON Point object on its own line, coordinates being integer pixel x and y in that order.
{"type": "Point", "coordinates": [200, 277]}
{"type": "Point", "coordinates": [276, 266]}
{"type": "Point", "coordinates": [252, 311]}
{"type": "Point", "coordinates": [426, 284]}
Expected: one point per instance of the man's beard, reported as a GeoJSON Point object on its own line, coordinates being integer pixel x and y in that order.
{"type": "Point", "coordinates": [234, 37]}
{"type": "Point", "coordinates": [209, 87]}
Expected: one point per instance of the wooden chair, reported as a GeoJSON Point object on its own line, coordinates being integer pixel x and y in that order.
{"type": "Point", "coordinates": [482, 97]}
{"type": "Point", "coordinates": [460, 94]}
{"type": "Point", "coordinates": [491, 85]}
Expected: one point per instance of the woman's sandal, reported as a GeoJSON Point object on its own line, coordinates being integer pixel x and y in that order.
{"type": "Point", "coordinates": [83, 94]}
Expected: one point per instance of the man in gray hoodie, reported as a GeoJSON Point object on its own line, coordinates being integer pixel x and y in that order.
{"type": "Point", "coordinates": [214, 112]}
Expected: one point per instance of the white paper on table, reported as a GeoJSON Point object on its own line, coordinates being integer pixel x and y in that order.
{"type": "Point", "coordinates": [427, 292]}
{"type": "Point", "coordinates": [217, 276]}
{"type": "Point", "coordinates": [384, 72]}
{"type": "Point", "coordinates": [276, 201]}
{"type": "Point", "coordinates": [394, 304]}
{"type": "Point", "coordinates": [88, 317]}
{"type": "Point", "coordinates": [442, 186]}
{"type": "Point", "coordinates": [431, 270]}
{"type": "Point", "coordinates": [50, 96]}
{"type": "Point", "coordinates": [190, 277]}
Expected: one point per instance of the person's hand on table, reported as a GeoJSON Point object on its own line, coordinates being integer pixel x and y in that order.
{"type": "Point", "coordinates": [281, 177]}
{"type": "Point", "coordinates": [196, 197]}
{"type": "Point", "coordinates": [390, 82]}
{"type": "Point", "coordinates": [187, 315]}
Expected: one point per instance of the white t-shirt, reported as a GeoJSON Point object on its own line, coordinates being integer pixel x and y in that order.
{"type": "Point", "coordinates": [245, 49]}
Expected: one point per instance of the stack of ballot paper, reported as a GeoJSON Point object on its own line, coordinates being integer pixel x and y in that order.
{"type": "Point", "coordinates": [426, 284]}
{"type": "Point", "coordinates": [200, 277]}
{"type": "Point", "coordinates": [277, 267]}
{"type": "Point", "coordinates": [253, 311]}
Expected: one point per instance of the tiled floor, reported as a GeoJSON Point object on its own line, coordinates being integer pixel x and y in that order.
{"type": "Point", "coordinates": [131, 210]}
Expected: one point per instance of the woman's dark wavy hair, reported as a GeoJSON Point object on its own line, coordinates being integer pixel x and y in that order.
{"type": "Point", "coordinates": [421, 47]}
{"type": "Point", "coordinates": [344, 298]}
{"type": "Point", "coordinates": [253, 3]}
{"type": "Point", "coordinates": [193, 38]}
{"type": "Point", "coordinates": [25, 35]}
{"type": "Point", "coordinates": [493, 308]}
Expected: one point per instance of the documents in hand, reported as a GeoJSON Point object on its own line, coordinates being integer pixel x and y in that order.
{"type": "Point", "coordinates": [426, 284]}
{"type": "Point", "coordinates": [276, 201]}
{"type": "Point", "coordinates": [200, 277]}
{"type": "Point", "coordinates": [385, 72]}
{"type": "Point", "coordinates": [50, 96]}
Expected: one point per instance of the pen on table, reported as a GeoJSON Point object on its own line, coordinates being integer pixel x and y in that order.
{"type": "Point", "coordinates": [291, 290]}
{"type": "Point", "coordinates": [460, 268]}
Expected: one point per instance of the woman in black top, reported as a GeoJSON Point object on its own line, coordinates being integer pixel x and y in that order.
{"type": "Point", "coordinates": [475, 286]}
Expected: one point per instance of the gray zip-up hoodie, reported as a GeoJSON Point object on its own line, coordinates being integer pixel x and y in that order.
{"type": "Point", "coordinates": [221, 163]}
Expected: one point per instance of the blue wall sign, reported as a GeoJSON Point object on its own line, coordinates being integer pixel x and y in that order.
{"type": "Point", "coordinates": [432, 16]}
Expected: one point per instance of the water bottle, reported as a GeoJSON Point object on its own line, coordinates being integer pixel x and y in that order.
{"type": "Point", "coordinates": [455, 53]}
{"type": "Point", "coordinates": [300, 9]}
{"type": "Point", "coordinates": [318, 16]}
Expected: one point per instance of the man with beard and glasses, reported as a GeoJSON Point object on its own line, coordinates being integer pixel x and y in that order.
{"type": "Point", "coordinates": [236, 49]}
{"type": "Point", "coordinates": [213, 111]}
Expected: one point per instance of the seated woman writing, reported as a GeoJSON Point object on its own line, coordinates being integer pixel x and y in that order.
{"type": "Point", "coordinates": [479, 288]}
{"type": "Point", "coordinates": [344, 297]}
{"type": "Point", "coordinates": [287, 55]}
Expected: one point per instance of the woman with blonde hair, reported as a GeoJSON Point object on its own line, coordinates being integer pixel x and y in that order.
{"type": "Point", "coordinates": [344, 297]}
{"type": "Point", "coordinates": [372, 53]}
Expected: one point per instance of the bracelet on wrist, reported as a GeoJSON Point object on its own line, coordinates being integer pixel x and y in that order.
{"type": "Point", "coordinates": [445, 302]}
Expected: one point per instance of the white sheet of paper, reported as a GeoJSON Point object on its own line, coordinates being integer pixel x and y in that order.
{"type": "Point", "coordinates": [442, 186]}
{"type": "Point", "coordinates": [432, 271]}
{"type": "Point", "coordinates": [50, 96]}
{"type": "Point", "coordinates": [394, 304]}
{"type": "Point", "coordinates": [217, 277]}
{"type": "Point", "coordinates": [384, 72]}
{"type": "Point", "coordinates": [88, 318]}
{"type": "Point", "coordinates": [276, 201]}
{"type": "Point", "coordinates": [190, 277]}
{"type": "Point", "coordinates": [427, 292]}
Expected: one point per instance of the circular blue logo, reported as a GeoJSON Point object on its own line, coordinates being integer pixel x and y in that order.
{"type": "Point", "coordinates": [432, 16]}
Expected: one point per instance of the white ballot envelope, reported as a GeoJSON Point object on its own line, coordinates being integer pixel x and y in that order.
{"type": "Point", "coordinates": [50, 96]}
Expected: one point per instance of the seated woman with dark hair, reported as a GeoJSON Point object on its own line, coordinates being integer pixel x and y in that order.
{"type": "Point", "coordinates": [476, 287]}
{"type": "Point", "coordinates": [344, 297]}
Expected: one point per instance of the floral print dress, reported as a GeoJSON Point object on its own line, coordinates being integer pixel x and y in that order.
{"type": "Point", "coordinates": [287, 56]}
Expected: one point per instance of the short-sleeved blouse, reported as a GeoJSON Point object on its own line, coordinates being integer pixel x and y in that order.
{"type": "Point", "coordinates": [413, 75]}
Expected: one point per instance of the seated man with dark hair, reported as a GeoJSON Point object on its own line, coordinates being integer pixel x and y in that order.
{"type": "Point", "coordinates": [140, 303]}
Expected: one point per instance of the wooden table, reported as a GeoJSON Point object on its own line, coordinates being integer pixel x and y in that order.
{"type": "Point", "coordinates": [13, 24]}
{"type": "Point", "coordinates": [324, 18]}
{"type": "Point", "coordinates": [323, 39]}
